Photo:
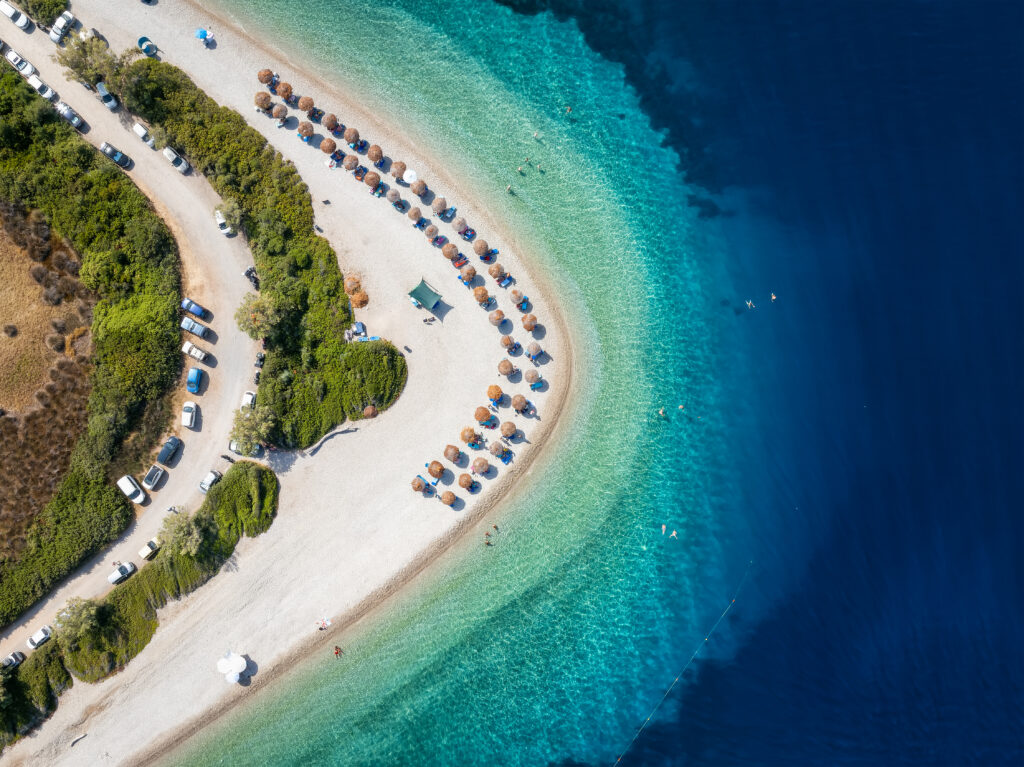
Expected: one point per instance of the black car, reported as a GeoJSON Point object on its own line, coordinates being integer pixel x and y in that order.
{"type": "Point", "coordinates": [168, 451]}
{"type": "Point", "coordinates": [116, 155]}
{"type": "Point", "coordinates": [13, 660]}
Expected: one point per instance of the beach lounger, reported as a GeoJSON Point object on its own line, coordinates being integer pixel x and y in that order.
{"type": "Point", "coordinates": [468, 234]}
{"type": "Point", "coordinates": [492, 252]}
{"type": "Point", "coordinates": [448, 215]}
{"type": "Point", "coordinates": [338, 130]}
{"type": "Point", "coordinates": [505, 282]}
{"type": "Point", "coordinates": [316, 114]}
{"type": "Point", "coordinates": [379, 163]}
{"type": "Point", "coordinates": [515, 348]}
{"type": "Point", "coordinates": [487, 258]}
{"type": "Point", "coordinates": [378, 191]}
{"type": "Point", "coordinates": [399, 205]}
{"type": "Point", "coordinates": [536, 385]}
{"type": "Point", "coordinates": [337, 155]}
{"type": "Point", "coordinates": [465, 282]}
{"type": "Point", "coordinates": [440, 241]}
{"type": "Point", "coordinates": [361, 145]}
{"type": "Point", "coordinates": [421, 224]}
{"type": "Point", "coordinates": [505, 457]}
{"type": "Point", "coordinates": [360, 173]}
{"type": "Point", "coordinates": [459, 261]}
{"type": "Point", "coordinates": [521, 306]}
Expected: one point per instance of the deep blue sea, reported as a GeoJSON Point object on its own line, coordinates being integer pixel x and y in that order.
{"type": "Point", "coordinates": [858, 439]}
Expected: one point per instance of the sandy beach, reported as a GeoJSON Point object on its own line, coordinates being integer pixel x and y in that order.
{"type": "Point", "coordinates": [350, 532]}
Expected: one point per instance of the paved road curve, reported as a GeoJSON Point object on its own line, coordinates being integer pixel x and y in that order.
{"type": "Point", "coordinates": [212, 274]}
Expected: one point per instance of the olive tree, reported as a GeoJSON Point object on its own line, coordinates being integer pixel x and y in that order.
{"type": "Point", "coordinates": [252, 428]}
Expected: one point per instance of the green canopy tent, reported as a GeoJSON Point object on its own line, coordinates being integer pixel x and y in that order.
{"type": "Point", "coordinates": [425, 296]}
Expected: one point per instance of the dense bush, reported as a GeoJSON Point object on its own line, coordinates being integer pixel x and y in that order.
{"type": "Point", "coordinates": [312, 379]}
{"type": "Point", "coordinates": [130, 262]}
{"type": "Point", "coordinates": [44, 11]}
{"type": "Point", "coordinates": [244, 502]}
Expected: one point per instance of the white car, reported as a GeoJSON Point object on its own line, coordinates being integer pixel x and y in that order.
{"type": "Point", "coordinates": [248, 400]}
{"type": "Point", "coordinates": [150, 549]}
{"type": "Point", "coordinates": [140, 130]}
{"type": "Point", "coordinates": [42, 88]}
{"type": "Point", "coordinates": [153, 477]}
{"type": "Point", "coordinates": [130, 487]}
{"type": "Point", "coordinates": [121, 573]}
{"type": "Point", "coordinates": [20, 19]}
{"type": "Point", "coordinates": [210, 480]}
{"type": "Point", "coordinates": [180, 163]}
{"type": "Point", "coordinates": [189, 411]}
{"type": "Point", "coordinates": [222, 223]}
{"type": "Point", "coordinates": [24, 68]}
{"type": "Point", "coordinates": [61, 26]}
{"type": "Point", "coordinates": [39, 637]}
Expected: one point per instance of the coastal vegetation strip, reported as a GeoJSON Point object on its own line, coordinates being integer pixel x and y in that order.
{"type": "Point", "coordinates": [313, 379]}
{"type": "Point", "coordinates": [130, 263]}
{"type": "Point", "coordinates": [97, 638]}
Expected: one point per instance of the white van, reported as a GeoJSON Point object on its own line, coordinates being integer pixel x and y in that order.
{"type": "Point", "coordinates": [131, 489]}
{"type": "Point", "coordinates": [140, 131]}
{"type": "Point", "coordinates": [20, 19]}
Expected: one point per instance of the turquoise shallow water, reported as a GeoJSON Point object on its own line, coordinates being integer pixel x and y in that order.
{"type": "Point", "coordinates": [554, 644]}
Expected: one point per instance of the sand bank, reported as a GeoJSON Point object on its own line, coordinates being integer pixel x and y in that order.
{"type": "Point", "coordinates": [350, 532]}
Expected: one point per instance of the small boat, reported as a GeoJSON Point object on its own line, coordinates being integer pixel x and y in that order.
{"type": "Point", "coordinates": [468, 234]}
{"type": "Point", "coordinates": [360, 173]}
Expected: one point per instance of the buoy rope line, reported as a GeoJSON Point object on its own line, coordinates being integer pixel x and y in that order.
{"type": "Point", "coordinates": [682, 671]}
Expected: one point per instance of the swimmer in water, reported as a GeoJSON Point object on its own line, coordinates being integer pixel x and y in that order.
{"type": "Point", "coordinates": [773, 298]}
{"type": "Point", "coordinates": [674, 535]}
{"type": "Point", "coordinates": [750, 304]}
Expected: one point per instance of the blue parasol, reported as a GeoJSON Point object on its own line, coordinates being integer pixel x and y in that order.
{"type": "Point", "coordinates": [201, 34]}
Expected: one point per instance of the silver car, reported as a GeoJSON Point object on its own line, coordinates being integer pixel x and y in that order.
{"type": "Point", "coordinates": [24, 68]}
{"type": "Point", "coordinates": [180, 163]}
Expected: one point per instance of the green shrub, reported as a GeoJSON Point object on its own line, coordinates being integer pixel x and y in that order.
{"type": "Point", "coordinates": [44, 11]}
{"type": "Point", "coordinates": [312, 379]}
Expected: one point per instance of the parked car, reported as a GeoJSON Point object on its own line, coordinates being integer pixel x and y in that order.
{"type": "Point", "coordinates": [42, 88]}
{"type": "Point", "coordinates": [121, 573]}
{"type": "Point", "coordinates": [180, 163]}
{"type": "Point", "coordinates": [248, 400]}
{"type": "Point", "coordinates": [222, 223]}
{"type": "Point", "coordinates": [140, 130]}
{"type": "Point", "coordinates": [150, 549]}
{"type": "Point", "coordinates": [106, 97]}
{"type": "Point", "coordinates": [70, 115]}
{"type": "Point", "coordinates": [195, 378]}
{"type": "Point", "coordinates": [40, 637]}
{"type": "Point", "coordinates": [61, 26]}
{"type": "Point", "coordinates": [153, 477]}
{"type": "Point", "coordinates": [116, 155]}
{"type": "Point", "coordinates": [189, 411]}
{"type": "Point", "coordinates": [24, 68]}
{"type": "Point", "coordinates": [130, 487]}
{"type": "Point", "coordinates": [13, 660]}
{"type": "Point", "coordinates": [20, 19]}
{"type": "Point", "coordinates": [210, 480]}
{"type": "Point", "coordinates": [193, 351]}
{"type": "Point", "coordinates": [169, 450]}
{"type": "Point", "coordinates": [234, 448]}
{"type": "Point", "coordinates": [192, 307]}
{"type": "Point", "coordinates": [193, 327]}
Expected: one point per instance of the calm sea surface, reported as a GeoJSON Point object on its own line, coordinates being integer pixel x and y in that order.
{"type": "Point", "coordinates": [858, 439]}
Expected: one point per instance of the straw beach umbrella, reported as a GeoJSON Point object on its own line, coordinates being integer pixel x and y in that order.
{"type": "Point", "coordinates": [494, 392]}
{"type": "Point", "coordinates": [496, 317]}
{"type": "Point", "coordinates": [508, 429]}
{"type": "Point", "coordinates": [452, 453]}
{"type": "Point", "coordinates": [360, 299]}
{"type": "Point", "coordinates": [465, 481]}
{"type": "Point", "coordinates": [371, 179]}
{"type": "Point", "coordinates": [414, 214]}
{"type": "Point", "coordinates": [280, 111]}
{"type": "Point", "coordinates": [430, 232]}
{"type": "Point", "coordinates": [516, 296]}
{"type": "Point", "coordinates": [440, 205]}
{"type": "Point", "coordinates": [418, 485]}
{"type": "Point", "coordinates": [480, 294]}
{"type": "Point", "coordinates": [351, 135]}
{"type": "Point", "coordinates": [330, 121]}
{"type": "Point", "coordinates": [393, 195]}
{"type": "Point", "coordinates": [459, 223]}
{"type": "Point", "coordinates": [534, 349]}
{"type": "Point", "coordinates": [480, 465]}
{"type": "Point", "coordinates": [529, 321]}
{"type": "Point", "coordinates": [435, 469]}
{"type": "Point", "coordinates": [397, 168]}
{"type": "Point", "coordinates": [305, 129]}
{"type": "Point", "coordinates": [482, 414]}
{"type": "Point", "coordinates": [447, 497]}
{"type": "Point", "coordinates": [264, 76]}
{"type": "Point", "coordinates": [375, 153]}
{"type": "Point", "coordinates": [305, 104]}
{"type": "Point", "coordinates": [262, 100]}
{"type": "Point", "coordinates": [506, 368]}
{"type": "Point", "coordinates": [369, 411]}
{"type": "Point", "coordinates": [497, 271]}
{"type": "Point", "coordinates": [519, 403]}
{"type": "Point", "coordinates": [469, 435]}
{"type": "Point", "coordinates": [418, 187]}
{"type": "Point", "coordinates": [480, 247]}
{"type": "Point", "coordinates": [507, 341]}
{"type": "Point", "coordinates": [496, 449]}
{"type": "Point", "coordinates": [327, 146]}
{"type": "Point", "coordinates": [449, 250]}
{"type": "Point", "coordinates": [350, 162]}
{"type": "Point", "coordinates": [351, 284]}
{"type": "Point", "coordinates": [284, 90]}
{"type": "Point", "coordinates": [532, 376]}
{"type": "Point", "coordinates": [468, 273]}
